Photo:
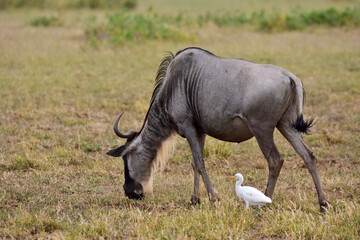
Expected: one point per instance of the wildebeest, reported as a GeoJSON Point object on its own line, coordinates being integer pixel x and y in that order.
{"type": "Point", "coordinates": [197, 94]}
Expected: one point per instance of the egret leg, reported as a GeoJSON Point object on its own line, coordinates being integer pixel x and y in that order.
{"type": "Point", "coordinates": [296, 140]}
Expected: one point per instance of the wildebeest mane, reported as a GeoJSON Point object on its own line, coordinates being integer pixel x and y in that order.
{"type": "Point", "coordinates": [194, 48]}
{"type": "Point", "coordinates": [159, 80]}
{"type": "Point", "coordinates": [160, 76]}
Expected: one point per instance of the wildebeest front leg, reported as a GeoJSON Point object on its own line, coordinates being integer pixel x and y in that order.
{"type": "Point", "coordinates": [195, 198]}
{"type": "Point", "coordinates": [196, 142]}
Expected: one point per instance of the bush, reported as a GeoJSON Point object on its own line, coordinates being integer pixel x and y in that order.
{"type": "Point", "coordinates": [44, 21]}
{"type": "Point", "coordinates": [21, 3]}
{"type": "Point", "coordinates": [131, 27]}
{"type": "Point", "coordinates": [125, 4]}
{"type": "Point", "coordinates": [329, 17]}
{"type": "Point", "coordinates": [332, 17]}
{"type": "Point", "coordinates": [123, 27]}
{"type": "Point", "coordinates": [296, 20]}
{"type": "Point", "coordinates": [224, 19]}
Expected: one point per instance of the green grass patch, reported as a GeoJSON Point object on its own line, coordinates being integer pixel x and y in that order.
{"type": "Point", "coordinates": [34, 226]}
{"type": "Point", "coordinates": [18, 162]}
{"type": "Point", "coordinates": [44, 21]}
{"type": "Point", "coordinates": [216, 149]}
{"type": "Point", "coordinates": [125, 27]}
{"type": "Point", "coordinates": [89, 146]}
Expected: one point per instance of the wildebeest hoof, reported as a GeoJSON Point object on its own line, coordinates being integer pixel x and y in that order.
{"type": "Point", "coordinates": [195, 200]}
{"type": "Point", "coordinates": [215, 199]}
{"type": "Point", "coordinates": [214, 196]}
{"type": "Point", "coordinates": [324, 207]}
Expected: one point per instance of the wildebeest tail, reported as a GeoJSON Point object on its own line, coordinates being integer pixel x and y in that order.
{"type": "Point", "coordinates": [303, 126]}
{"type": "Point", "coordinates": [300, 124]}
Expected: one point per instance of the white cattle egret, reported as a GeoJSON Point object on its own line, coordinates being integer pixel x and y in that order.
{"type": "Point", "coordinates": [251, 195]}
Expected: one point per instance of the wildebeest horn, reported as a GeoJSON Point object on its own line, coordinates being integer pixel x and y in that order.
{"type": "Point", "coordinates": [128, 134]}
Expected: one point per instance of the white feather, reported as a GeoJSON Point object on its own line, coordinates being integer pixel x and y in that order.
{"type": "Point", "coordinates": [251, 195]}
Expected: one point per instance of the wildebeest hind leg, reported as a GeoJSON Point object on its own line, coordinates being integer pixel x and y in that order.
{"type": "Point", "coordinates": [296, 140]}
{"type": "Point", "coordinates": [265, 139]}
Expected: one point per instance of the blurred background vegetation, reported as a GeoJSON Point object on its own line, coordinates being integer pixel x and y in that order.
{"type": "Point", "coordinates": [152, 20]}
{"type": "Point", "coordinates": [94, 4]}
{"type": "Point", "coordinates": [121, 27]}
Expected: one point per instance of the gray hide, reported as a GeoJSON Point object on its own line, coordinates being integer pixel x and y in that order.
{"type": "Point", "coordinates": [229, 99]}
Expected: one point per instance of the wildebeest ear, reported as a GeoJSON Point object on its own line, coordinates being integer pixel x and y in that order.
{"type": "Point", "coordinates": [116, 152]}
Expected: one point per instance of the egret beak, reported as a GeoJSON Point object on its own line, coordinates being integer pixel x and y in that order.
{"type": "Point", "coordinates": [232, 177]}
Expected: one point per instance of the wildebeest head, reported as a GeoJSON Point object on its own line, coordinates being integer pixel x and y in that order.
{"type": "Point", "coordinates": [136, 177]}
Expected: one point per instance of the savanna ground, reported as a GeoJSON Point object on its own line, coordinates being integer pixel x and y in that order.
{"type": "Point", "coordinates": [60, 93]}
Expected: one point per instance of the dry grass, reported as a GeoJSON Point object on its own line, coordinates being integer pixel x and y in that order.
{"type": "Point", "coordinates": [59, 98]}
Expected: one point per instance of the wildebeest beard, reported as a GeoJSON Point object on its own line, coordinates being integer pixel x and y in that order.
{"type": "Point", "coordinates": [132, 188]}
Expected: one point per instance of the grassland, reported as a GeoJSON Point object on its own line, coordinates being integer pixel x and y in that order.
{"type": "Point", "coordinates": [60, 95]}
